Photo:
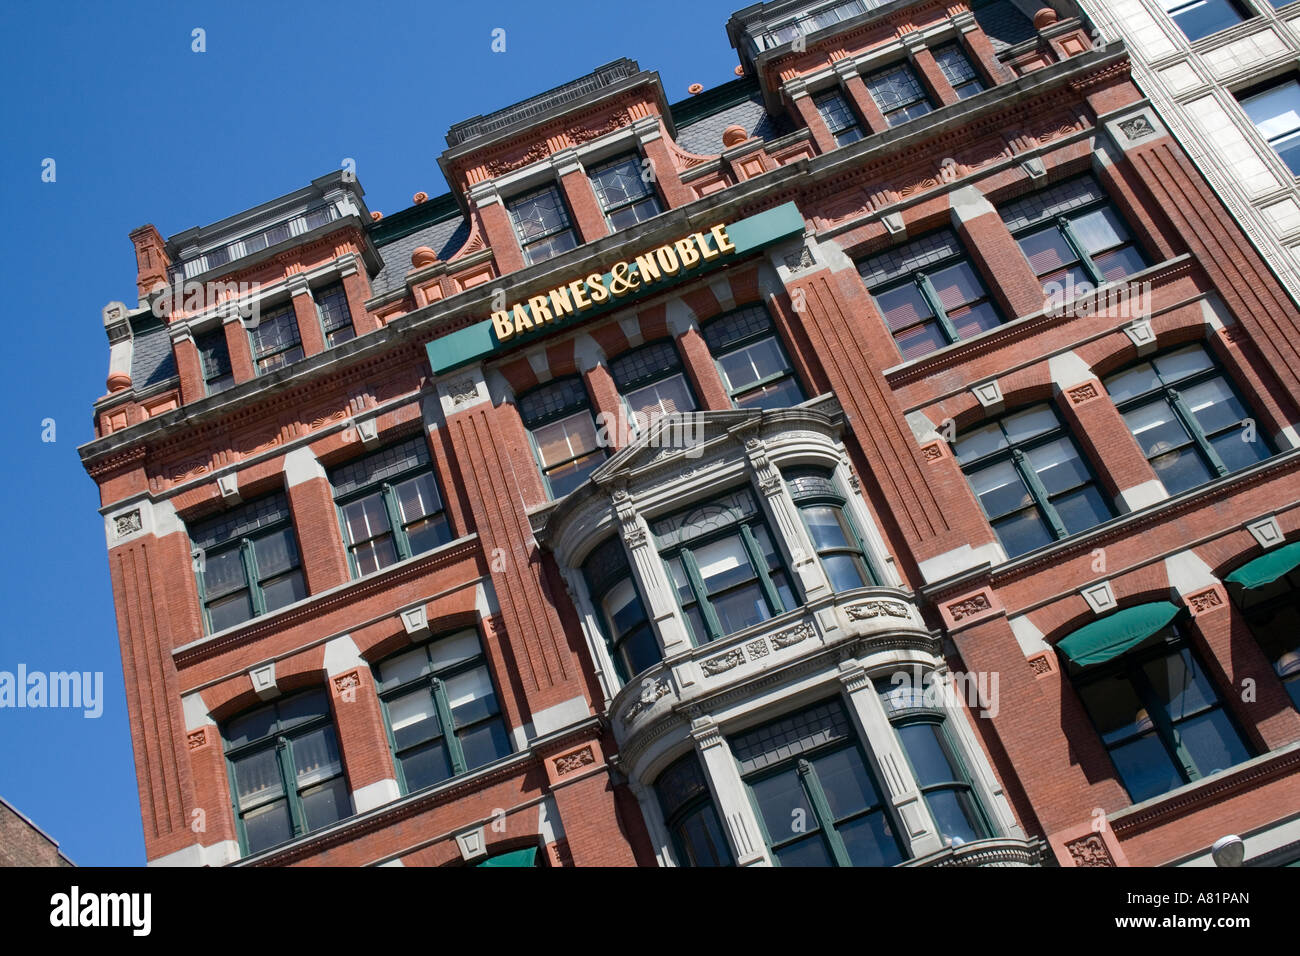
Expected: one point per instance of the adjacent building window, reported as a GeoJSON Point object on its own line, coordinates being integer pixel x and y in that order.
{"type": "Point", "coordinates": [837, 544]}
{"type": "Point", "coordinates": [558, 418]}
{"type": "Point", "coordinates": [817, 800]}
{"type": "Point", "coordinates": [928, 293]}
{"type": "Point", "coordinates": [275, 340]}
{"type": "Point", "coordinates": [286, 771]}
{"type": "Point", "coordinates": [936, 764]}
{"type": "Point", "coordinates": [957, 69]}
{"type": "Point", "coordinates": [1276, 114]}
{"type": "Point", "coordinates": [898, 93]}
{"type": "Point", "coordinates": [247, 561]}
{"type": "Point", "coordinates": [624, 194]}
{"type": "Point", "coordinates": [214, 356]}
{"type": "Point", "coordinates": [335, 316]}
{"type": "Point", "coordinates": [441, 710]}
{"type": "Point", "coordinates": [652, 382]}
{"type": "Point", "coordinates": [752, 361]}
{"type": "Point", "coordinates": [1071, 234]}
{"type": "Point", "coordinates": [542, 224]}
{"type": "Point", "coordinates": [1272, 612]}
{"type": "Point", "coordinates": [724, 565]}
{"type": "Point", "coordinates": [1200, 18]}
{"type": "Point", "coordinates": [390, 506]}
{"type": "Point", "coordinates": [631, 639]}
{"type": "Point", "coordinates": [1159, 716]}
{"type": "Point", "coordinates": [838, 117]}
{"type": "Point", "coordinates": [1030, 479]}
{"type": "Point", "coordinates": [1188, 419]}
{"type": "Point", "coordinates": [690, 816]}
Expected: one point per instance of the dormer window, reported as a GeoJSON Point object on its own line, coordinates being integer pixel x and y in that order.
{"type": "Point", "coordinates": [899, 94]}
{"type": "Point", "coordinates": [335, 316]}
{"type": "Point", "coordinates": [542, 224]}
{"type": "Point", "coordinates": [275, 340]}
{"type": "Point", "coordinates": [214, 355]}
{"type": "Point", "coordinates": [837, 116]}
{"type": "Point", "coordinates": [624, 194]}
{"type": "Point", "coordinates": [957, 70]}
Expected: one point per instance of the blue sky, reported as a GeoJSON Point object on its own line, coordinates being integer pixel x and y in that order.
{"type": "Point", "coordinates": [143, 129]}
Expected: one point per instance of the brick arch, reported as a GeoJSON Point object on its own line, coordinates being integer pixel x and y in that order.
{"type": "Point", "coordinates": [235, 695]}
{"type": "Point", "coordinates": [1116, 350]}
{"type": "Point", "coordinates": [1144, 585]}
{"type": "Point", "coordinates": [446, 614]}
{"type": "Point", "coordinates": [1229, 552]}
{"type": "Point", "coordinates": [1026, 386]}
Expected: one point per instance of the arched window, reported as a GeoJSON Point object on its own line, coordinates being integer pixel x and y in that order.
{"type": "Point", "coordinates": [651, 381]}
{"type": "Point", "coordinates": [690, 816]}
{"type": "Point", "coordinates": [286, 771]}
{"type": "Point", "coordinates": [1030, 479]}
{"type": "Point", "coordinates": [724, 565]}
{"type": "Point", "coordinates": [1267, 592]}
{"type": "Point", "coordinates": [843, 556]}
{"type": "Point", "coordinates": [1187, 417]}
{"type": "Point", "coordinates": [558, 418]}
{"type": "Point", "coordinates": [1158, 712]}
{"type": "Point", "coordinates": [630, 637]}
{"type": "Point", "coordinates": [441, 709]}
{"type": "Point", "coordinates": [752, 361]}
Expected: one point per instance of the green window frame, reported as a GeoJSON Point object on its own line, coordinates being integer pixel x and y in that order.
{"type": "Point", "coordinates": [275, 341]}
{"type": "Point", "coordinates": [335, 314]}
{"type": "Point", "coordinates": [285, 771]}
{"type": "Point", "coordinates": [390, 507]}
{"type": "Point", "coordinates": [542, 224]}
{"type": "Point", "coordinates": [214, 356]}
{"type": "Point", "coordinates": [815, 792]}
{"type": "Point", "coordinates": [839, 547]}
{"type": "Point", "coordinates": [937, 763]}
{"type": "Point", "coordinates": [1032, 482]}
{"type": "Point", "coordinates": [652, 371]}
{"type": "Point", "coordinates": [1072, 236]}
{"type": "Point", "coordinates": [724, 565]}
{"type": "Point", "coordinates": [1185, 413]}
{"type": "Point", "coordinates": [1272, 613]}
{"type": "Point", "coordinates": [626, 626]}
{"type": "Point", "coordinates": [1159, 715]}
{"type": "Point", "coordinates": [563, 434]}
{"type": "Point", "coordinates": [441, 710]}
{"type": "Point", "coordinates": [838, 117]}
{"type": "Point", "coordinates": [625, 196]}
{"type": "Point", "coordinates": [690, 816]}
{"type": "Point", "coordinates": [929, 293]}
{"type": "Point", "coordinates": [246, 562]}
{"type": "Point", "coordinates": [751, 359]}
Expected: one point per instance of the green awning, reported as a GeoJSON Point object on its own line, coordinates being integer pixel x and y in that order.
{"type": "Point", "coordinates": [1268, 567]}
{"type": "Point", "coordinates": [1116, 633]}
{"type": "Point", "coordinates": [526, 857]}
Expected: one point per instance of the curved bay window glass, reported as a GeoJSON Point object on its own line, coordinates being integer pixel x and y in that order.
{"type": "Point", "coordinates": [441, 710]}
{"type": "Point", "coordinates": [631, 639]}
{"type": "Point", "coordinates": [1030, 479]}
{"type": "Point", "coordinates": [1072, 234]}
{"type": "Point", "coordinates": [542, 224]}
{"type": "Point", "coordinates": [275, 340]}
{"type": "Point", "coordinates": [1272, 612]}
{"type": "Point", "coordinates": [817, 799]}
{"type": "Point", "coordinates": [936, 764]}
{"type": "Point", "coordinates": [752, 361]}
{"type": "Point", "coordinates": [833, 536]}
{"type": "Point", "coordinates": [247, 562]}
{"type": "Point", "coordinates": [652, 382]}
{"type": "Point", "coordinates": [1187, 418]}
{"type": "Point", "coordinates": [928, 293]}
{"type": "Point", "coordinates": [690, 816]}
{"type": "Point", "coordinates": [286, 772]}
{"type": "Point", "coordinates": [1159, 715]}
{"type": "Point", "coordinates": [558, 417]}
{"type": "Point", "coordinates": [390, 507]}
{"type": "Point", "coordinates": [724, 565]}
{"type": "Point", "coordinates": [626, 197]}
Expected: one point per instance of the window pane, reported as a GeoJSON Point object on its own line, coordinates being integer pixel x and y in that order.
{"type": "Point", "coordinates": [316, 756]}
{"type": "Point", "coordinates": [257, 778]}
{"type": "Point", "coordinates": [376, 554]}
{"type": "Point", "coordinates": [229, 611]}
{"type": "Point", "coordinates": [701, 837]}
{"type": "Point", "coordinates": [979, 442]}
{"type": "Point", "coordinates": [1000, 489]}
{"type": "Point", "coordinates": [417, 497]}
{"type": "Point", "coordinates": [470, 696]}
{"type": "Point", "coordinates": [661, 398]}
{"type": "Point", "coordinates": [1119, 263]}
{"type": "Point", "coordinates": [1058, 465]}
{"type": "Point", "coordinates": [325, 804]}
{"type": "Point", "coordinates": [1023, 532]}
{"type": "Point", "coordinates": [283, 591]}
{"type": "Point", "coordinates": [268, 826]}
{"type": "Point", "coordinates": [784, 805]}
{"type": "Point", "coordinates": [1099, 230]}
{"type": "Point", "coordinates": [250, 727]}
{"type": "Point", "coordinates": [622, 607]}
{"type": "Point", "coordinates": [784, 393]}
{"type": "Point", "coordinates": [753, 362]}
{"type": "Point", "coordinates": [428, 533]}
{"type": "Point", "coordinates": [926, 752]}
{"type": "Point", "coordinates": [870, 841]}
{"type": "Point", "coordinates": [920, 340]}
{"type": "Point", "coordinates": [1135, 381]}
{"type": "Point", "coordinates": [845, 782]}
{"type": "Point", "coordinates": [1082, 509]}
{"type": "Point", "coordinates": [1236, 452]}
{"type": "Point", "coordinates": [275, 552]}
{"type": "Point", "coordinates": [740, 608]}
{"type": "Point", "coordinates": [452, 650]}
{"type": "Point", "coordinates": [1156, 427]}
{"type": "Point", "coordinates": [824, 527]}
{"type": "Point", "coordinates": [413, 718]}
{"type": "Point", "coordinates": [1046, 250]}
{"type": "Point", "coordinates": [1180, 470]}
{"type": "Point", "coordinates": [223, 572]}
{"type": "Point", "coordinates": [640, 649]}
{"type": "Point", "coordinates": [426, 766]}
{"type": "Point", "coordinates": [365, 518]}
{"type": "Point", "coordinates": [1182, 363]}
{"type": "Point", "coordinates": [811, 851]}
{"type": "Point", "coordinates": [303, 707]}
{"type": "Point", "coordinates": [1115, 708]}
{"type": "Point", "coordinates": [903, 306]}
{"type": "Point", "coordinates": [844, 572]}
{"type": "Point", "coordinates": [404, 667]}
{"type": "Point", "coordinates": [484, 743]}
{"type": "Point", "coordinates": [1146, 768]}
{"type": "Point", "coordinates": [1031, 422]}
{"type": "Point", "coordinates": [1203, 17]}
{"type": "Point", "coordinates": [566, 478]}
{"type": "Point", "coordinates": [971, 321]}
{"type": "Point", "coordinates": [956, 285]}
{"type": "Point", "coordinates": [1214, 405]}
{"type": "Point", "coordinates": [1180, 684]}
{"type": "Point", "coordinates": [723, 563]}
{"type": "Point", "coordinates": [1212, 742]}
{"type": "Point", "coordinates": [954, 816]}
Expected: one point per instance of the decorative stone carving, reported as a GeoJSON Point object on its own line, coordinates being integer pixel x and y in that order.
{"type": "Point", "coordinates": [651, 691]}
{"type": "Point", "coordinates": [499, 166]}
{"type": "Point", "coordinates": [870, 609]}
{"type": "Point", "coordinates": [801, 261]}
{"type": "Point", "coordinates": [932, 452]}
{"type": "Point", "coordinates": [723, 662]}
{"type": "Point", "coordinates": [462, 391]}
{"type": "Point", "coordinates": [635, 538]}
{"type": "Point", "coordinates": [1082, 393]}
{"type": "Point", "coordinates": [128, 523]}
{"type": "Point", "coordinates": [1205, 601]}
{"type": "Point", "coordinates": [792, 636]}
{"type": "Point", "coordinates": [969, 607]}
{"type": "Point", "coordinates": [1040, 665]}
{"type": "Point", "coordinates": [574, 761]}
{"type": "Point", "coordinates": [197, 739]}
{"type": "Point", "coordinates": [345, 682]}
{"type": "Point", "coordinates": [733, 136]}
{"type": "Point", "coordinates": [757, 649]}
{"type": "Point", "coordinates": [1137, 128]}
{"type": "Point", "coordinates": [1090, 850]}
{"type": "Point", "coordinates": [617, 121]}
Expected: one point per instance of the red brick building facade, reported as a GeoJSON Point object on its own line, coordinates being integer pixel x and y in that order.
{"type": "Point", "coordinates": [756, 479]}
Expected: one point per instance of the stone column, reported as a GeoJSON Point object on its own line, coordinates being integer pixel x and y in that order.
{"type": "Point", "coordinates": [651, 577]}
{"type": "Point", "coordinates": [304, 310]}
{"type": "Point", "coordinates": [791, 535]}
{"type": "Point", "coordinates": [729, 796]}
{"type": "Point", "coordinates": [660, 839]}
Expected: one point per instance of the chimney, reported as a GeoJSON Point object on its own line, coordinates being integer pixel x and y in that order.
{"type": "Point", "coordinates": [151, 260]}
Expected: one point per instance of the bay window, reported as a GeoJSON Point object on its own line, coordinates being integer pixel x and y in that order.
{"type": "Point", "coordinates": [689, 814]}
{"type": "Point", "coordinates": [834, 538]}
{"type": "Point", "coordinates": [626, 625]}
